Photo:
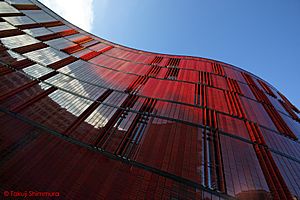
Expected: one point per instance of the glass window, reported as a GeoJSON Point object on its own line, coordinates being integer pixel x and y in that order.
{"type": "Point", "coordinates": [60, 43]}
{"type": "Point", "coordinates": [37, 70]}
{"type": "Point", "coordinates": [18, 41]}
{"type": "Point", "coordinates": [44, 86]}
{"type": "Point", "coordinates": [15, 55]}
{"type": "Point", "coordinates": [81, 53]}
{"type": "Point", "coordinates": [21, 97]}
{"type": "Point", "coordinates": [257, 113]}
{"type": "Point", "coordinates": [241, 167]}
{"type": "Point", "coordinates": [90, 43]}
{"type": "Point", "coordinates": [12, 81]}
{"type": "Point", "coordinates": [39, 15]}
{"type": "Point", "coordinates": [75, 37]}
{"type": "Point", "coordinates": [69, 68]}
{"type": "Point", "coordinates": [10, 57]}
{"type": "Point", "coordinates": [59, 80]}
{"type": "Point", "coordinates": [290, 172]}
{"type": "Point", "coordinates": [5, 26]}
{"type": "Point", "coordinates": [293, 125]}
{"type": "Point", "coordinates": [19, 1]}
{"type": "Point", "coordinates": [21, 20]}
{"type": "Point", "coordinates": [35, 32]}
{"type": "Point", "coordinates": [59, 28]}
{"type": "Point", "coordinates": [6, 8]}
{"type": "Point", "coordinates": [46, 56]}
{"type": "Point", "coordinates": [100, 116]}
{"type": "Point", "coordinates": [98, 47]}
{"type": "Point", "coordinates": [232, 126]}
{"type": "Point", "coordinates": [75, 86]}
{"type": "Point", "coordinates": [234, 74]}
{"type": "Point", "coordinates": [216, 99]}
{"type": "Point", "coordinates": [74, 104]}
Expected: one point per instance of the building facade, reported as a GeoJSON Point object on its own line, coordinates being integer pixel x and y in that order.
{"type": "Point", "coordinates": [84, 118]}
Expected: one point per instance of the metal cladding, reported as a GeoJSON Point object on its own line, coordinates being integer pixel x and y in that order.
{"type": "Point", "coordinates": [84, 118]}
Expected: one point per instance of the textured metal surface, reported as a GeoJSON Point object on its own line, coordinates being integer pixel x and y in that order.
{"type": "Point", "coordinates": [91, 119]}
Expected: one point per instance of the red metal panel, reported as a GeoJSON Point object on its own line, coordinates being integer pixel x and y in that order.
{"type": "Point", "coordinates": [289, 103]}
{"type": "Point", "coordinates": [57, 35]}
{"type": "Point", "coordinates": [33, 100]}
{"type": "Point", "coordinates": [266, 88]}
{"type": "Point", "coordinates": [83, 40]}
{"type": "Point", "coordinates": [72, 49]}
{"type": "Point", "coordinates": [216, 100]}
{"type": "Point", "coordinates": [149, 126]}
{"type": "Point", "coordinates": [218, 69]}
{"type": "Point", "coordinates": [274, 179]}
{"type": "Point", "coordinates": [93, 54]}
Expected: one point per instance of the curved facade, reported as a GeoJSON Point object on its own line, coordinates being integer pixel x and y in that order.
{"type": "Point", "coordinates": [84, 118]}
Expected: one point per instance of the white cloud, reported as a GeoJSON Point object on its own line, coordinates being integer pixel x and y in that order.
{"type": "Point", "coordinates": [78, 12]}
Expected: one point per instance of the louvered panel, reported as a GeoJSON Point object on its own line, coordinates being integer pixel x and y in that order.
{"type": "Point", "coordinates": [272, 112]}
{"type": "Point", "coordinates": [218, 69]}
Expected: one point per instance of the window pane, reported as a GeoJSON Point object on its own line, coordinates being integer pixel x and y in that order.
{"type": "Point", "coordinates": [59, 28]}
{"type": "Point", "coordinates": [5, 26]}
{"type": "Point", "coordinates": [35, 32]}
{"type": "Point", "coordinates": [21, 20]}
{"type": "Point", "coordinates": [19, 1]}
{"type": "Point", "coordinates": [15, 55]}
{"type": "Point", "coordinates": [6, 8]}
{"type": "Point", "coordinates": [60, 43]}
{"type": "Point", "coordinates": [18, 41]}
{"type": "Point", "coordinates": [46, 56]}
{"type": "Point", "coordinates": [38, 15]}
{"type": "Point", "coordinates": [37, 70]}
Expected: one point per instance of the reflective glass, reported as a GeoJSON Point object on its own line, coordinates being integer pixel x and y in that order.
{"type": "Point", "coordinates": [59, 28]}
{"type": "Point", "coordinates": [35, 32]}
{"type": "Point", "coordinates": [242, 169]}
{"type": "Point", "coordinates": [39, 16]}
{"type": "Point", "coordinates": [6, 8]}
{"type": "Point", "coordinates": [18, 41]}
{"type": "Point", "coordinates": [73, 104]}
{"type": "Point", "coordinates": [19, 1]}
{"type": "Point", "coordinates": [37, 70]}
{"type": "Point", "coordinates": [46, 56]}
{"type": "Point", "coordinates": [59, 43]}
{"type": "Point", "coordinates": [15, 55]}
{"type": "Point", "coordinates": [21, 20]}
{"type": "Point", "coordinates": [5, 26]}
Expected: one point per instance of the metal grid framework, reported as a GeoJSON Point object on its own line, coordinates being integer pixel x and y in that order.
{"type": "Point", "coordinates": [97, 120]}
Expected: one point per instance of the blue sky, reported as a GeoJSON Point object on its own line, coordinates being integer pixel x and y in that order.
{"type": "Point", "coordinates": [262, 37]}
